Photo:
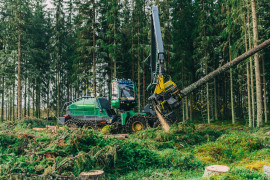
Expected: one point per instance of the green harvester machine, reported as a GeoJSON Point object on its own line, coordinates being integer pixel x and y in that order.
{"type": "Point", "coordinates": [97, 112]}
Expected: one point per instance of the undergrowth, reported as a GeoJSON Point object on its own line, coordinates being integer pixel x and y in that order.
{"type": "Point", "coordinates": [184, 151]}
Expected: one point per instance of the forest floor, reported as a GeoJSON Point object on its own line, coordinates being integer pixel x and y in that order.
{"type": "Point", "coordinates": [183, 153]}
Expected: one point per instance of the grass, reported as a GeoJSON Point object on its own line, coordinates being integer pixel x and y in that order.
{"type": "Point", "coordinates": [151, 154]}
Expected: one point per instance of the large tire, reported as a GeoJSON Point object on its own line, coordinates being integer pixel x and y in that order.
{"type": "Point", "coordinates": [136, 123]}
{"type": "Point", "coordinates": [72, 123]}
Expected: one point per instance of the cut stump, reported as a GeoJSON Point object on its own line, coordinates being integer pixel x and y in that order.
{"type": "Point", "coordinates": [92, 175]}
{"type": "Point", "coordinates": [266, 170]}
{"type": "Point", "coordinates": [215, 169]}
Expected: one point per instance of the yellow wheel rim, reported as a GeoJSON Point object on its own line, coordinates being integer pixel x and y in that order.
{"type": "Point", "coordinates": [89, 127]}
{"type": "Point", "coordinates": [137, 126]}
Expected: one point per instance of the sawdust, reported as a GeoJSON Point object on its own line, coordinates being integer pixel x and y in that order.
{"type": "Point", "coordinates": [163, 122]}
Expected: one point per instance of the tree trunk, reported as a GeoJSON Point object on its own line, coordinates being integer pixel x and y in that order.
{"type": "Point", "coordinates": [257, 67]}
{"type": "Point", "coordinates": [264, 94]}
{"type": "Point", "coordinates": [114, 39]}
{"type": "Point", "coordinates": [139, 66]}
{"type": "Point", "coordinates": [190, 106]}
{"type": "Point", "coordinates": [25, 97]}
{"type": "Point", "coordinates": [251, 71]}
{"type": "Point", "coordinates": [215, 99]}
{"type": "Point", "coordinates": [13, 102]}
{"type": "Point", "coordinates": [248, 81]}
{"type": "Point", "coordinates": [224, 68]}
{"type": "Point", "coordinates": [231, 82]}
{"type": "Point", "coordinates": [19, 70]}
{"type": "Point", "coordinates": [133, 62]}
{"type": "Point", "coordinates": [33, 102]}
{"type": "Point", "coordinates": [3, 94]}
{"type": "Point", "coordinates": [94, 46]}
{"type": "Point", "coordinates": [144, 89]}
{"type": "Point", "coordinates": [186, 99]}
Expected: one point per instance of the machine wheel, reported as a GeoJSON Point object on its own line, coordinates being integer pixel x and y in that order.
{"type": "Point", "coordinates": [71, 123]}
{"type": "Point", "coordinates": [136, 123]}
{"type": "Point", "coordinates": [89, 126]}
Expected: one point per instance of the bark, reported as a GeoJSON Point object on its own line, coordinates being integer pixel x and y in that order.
{"type": "Point", "coordinates": [25, 97]}
{"type": "Point", "coordinates": [3, 94]}
{"type": "Point", "coordinates": [114, 40]}
{"type": "Point", "coordinates": [215, 99]}
{"type": "Point", "coordinates": [133, 62]}
{"type": "Point", "coordinates": [144, 88]}
{"type": "Point", "coordinates": [33, 102]}
{"type": "Point", "coordinates": [94, 51]}
{"type": "Point", "coordinates": [13, 102]}
{"type": "Point", "coordinates": [231, 82]}
{"type": "Point", "coordinates": [19, 69]}
{"type": "Point", "coordinates": [248, 82]}
{"type": "Point", "coordinates": [190, 106]}
{"type": "Point", "coordinates": [139, 66]}
{"type": "Point", "coordinates": [186, 99]}
{"type": "Point", "coordinates": [264, 94]}
{"type": "Point", "coordinates": [257, 67]}
{"type": "Point", "coordinates": [251, 71]}
{"type": "Point", "coordinates": [224, 68]}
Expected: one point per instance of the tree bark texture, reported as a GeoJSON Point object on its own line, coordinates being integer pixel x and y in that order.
{"type": "Point", "coordinates": [94, 51]}
{"type": "Point", "coordinates": [257, 67]}
{"type": "Point", "coordinates": [3, 93]}
{"type": "Point", "coordinates": [19, 71]}
{"type": "Point", "coordinates": [231, 82]}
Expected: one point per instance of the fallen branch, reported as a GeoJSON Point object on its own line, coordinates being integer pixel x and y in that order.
{"type": "Point", "coordinates": [70, 159]}
{"type": "Point", "coordinates": [6, 155]}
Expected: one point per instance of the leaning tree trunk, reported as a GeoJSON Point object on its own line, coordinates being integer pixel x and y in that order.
{"type": "Point", "coordinates": [224, 68]}
{"type": "Point", "coordinates": [257, 67]}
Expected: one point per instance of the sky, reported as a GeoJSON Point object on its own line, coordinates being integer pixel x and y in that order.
{"type": "Point", "coordinates": [49, 4]}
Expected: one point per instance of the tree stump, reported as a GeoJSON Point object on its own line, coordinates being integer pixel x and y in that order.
{"type": "Point", "coordinates": [92, 175]}
{"type": "Point", "coordinates": [215, 169]}
{"type": "Point", "coordinates": [266, 170]}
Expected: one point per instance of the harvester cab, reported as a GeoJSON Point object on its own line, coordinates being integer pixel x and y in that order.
{"type": "Point", "coordinates": [123, 95]}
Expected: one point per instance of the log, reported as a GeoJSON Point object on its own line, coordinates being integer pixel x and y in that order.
{"type": "Point", "coordinates": [118, 136]}
{"type": "Point", "coordinates": [215, 169]}
{"type": "Point", "coordinates": [92, 175]}
{"type": "Point", "coordinates": [39, 129]}
{"type": "Point", "coordinates": [224, 68]}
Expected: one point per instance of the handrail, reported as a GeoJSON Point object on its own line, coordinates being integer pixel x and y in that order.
{"type": "Point", "coordinates": [70, 102]}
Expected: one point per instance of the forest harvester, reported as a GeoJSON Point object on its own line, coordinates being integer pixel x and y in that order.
{"type": "Point", "coordinates": [91, 112]}
{"type": "Point", "coordinates": [165, 98]}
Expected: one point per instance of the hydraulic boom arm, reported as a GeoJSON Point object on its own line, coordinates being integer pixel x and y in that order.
{"type": "Point", "coordinates": [166, 97]}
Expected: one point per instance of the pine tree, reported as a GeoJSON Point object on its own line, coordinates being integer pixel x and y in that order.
{"type": "Point", "coordinates": [257, 67]}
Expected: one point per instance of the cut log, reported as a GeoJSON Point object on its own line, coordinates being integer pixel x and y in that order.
{"type": "Point", "coordinates": [92, 175]}
{"type": "Point", "coordinates": [215, 169]}
{"type": "Point", "coordinates": [118, 136]}
{"type": "Point", "coordinates": [39, 129]}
